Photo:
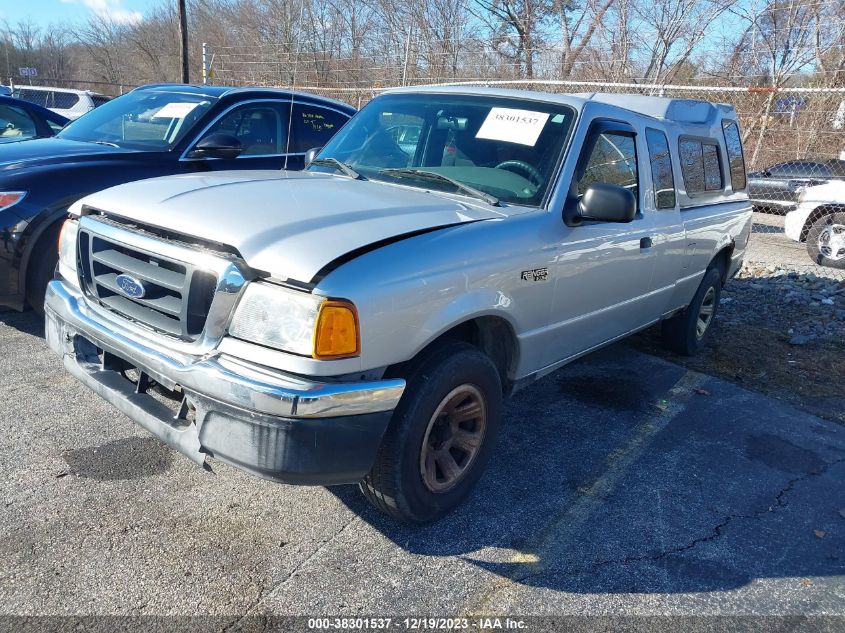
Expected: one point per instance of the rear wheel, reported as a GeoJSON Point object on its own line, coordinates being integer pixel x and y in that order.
{"type": "Point", "coordinates": [826, 241]}
{"type": "Point", "coordinates": [42, 267]}
{"type": "Point", "coordinates": [687, 333]}
{"type": "Point", "coordinates": [440, 438]}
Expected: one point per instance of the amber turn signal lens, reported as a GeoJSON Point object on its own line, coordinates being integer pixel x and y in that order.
{"type": "Point", "coordinates": [336, 334]}
{"type": "Point", "coordinates": [10, 198]}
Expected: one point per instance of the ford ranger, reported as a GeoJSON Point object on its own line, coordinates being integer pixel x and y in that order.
{"type": "Point", "coordinates": [362, 320]}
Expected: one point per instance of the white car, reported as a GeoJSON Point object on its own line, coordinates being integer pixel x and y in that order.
{"type": "Point", "coordinates": [819, 220]}
{"type": "Point", "coordinates": [67, 102]}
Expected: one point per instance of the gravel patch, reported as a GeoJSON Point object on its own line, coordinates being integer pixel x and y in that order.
{"type": "Point", "coordinates": [780, 330]}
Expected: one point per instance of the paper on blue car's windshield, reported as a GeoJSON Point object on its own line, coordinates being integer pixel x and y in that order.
{"type": "Point", "coordinates": [513, 126]}
{"type": "Point", "coordinates": [175, 111]}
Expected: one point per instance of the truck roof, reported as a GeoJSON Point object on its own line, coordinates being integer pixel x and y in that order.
{"type": "Point", "coordinates": [685, 111]}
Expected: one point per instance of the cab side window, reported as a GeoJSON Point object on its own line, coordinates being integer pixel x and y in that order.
{"type": "Point", "coordinates": [661, 169]}
{"type": "Point", "coordinates": [613, 160]}
{"type": "Point", "coordinates": [260, 127]}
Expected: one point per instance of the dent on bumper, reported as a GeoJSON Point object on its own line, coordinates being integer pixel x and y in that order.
{"type": "Point", "coordinates": [275, 425]}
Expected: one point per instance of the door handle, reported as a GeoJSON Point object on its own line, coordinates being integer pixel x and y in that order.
{"type": "Point", "coordinates": [645, 242]}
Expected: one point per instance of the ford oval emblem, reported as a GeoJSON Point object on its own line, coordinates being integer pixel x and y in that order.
{"type": "Point", "coordinates": [130, 287]}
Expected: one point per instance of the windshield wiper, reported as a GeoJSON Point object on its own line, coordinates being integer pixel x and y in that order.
{"type": "Point", "coordinates": [405, 172]}
{"type": "Point", "coordinates": [110, 144]}
{"type": "Point", "coordinates": [337, 164]}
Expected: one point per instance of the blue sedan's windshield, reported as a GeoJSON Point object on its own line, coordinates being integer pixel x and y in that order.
{"type": "Point", "coordinates": [142, 119]}
{"type": "Point", "coordinates": [482, 145]}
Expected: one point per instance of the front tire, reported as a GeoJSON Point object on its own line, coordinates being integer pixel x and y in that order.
{"type": "Point", "coordinates": [42, 267]}
{"type": "Point", "coordinates": [688, 332]}
{"type": "Point", "coordinates": [826, 241]}
{"type": "Point", "coordinates": [440, 438]}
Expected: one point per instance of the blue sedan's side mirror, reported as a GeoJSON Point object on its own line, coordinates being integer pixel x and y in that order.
{"type": "Point", "coordinates": [217, 145]}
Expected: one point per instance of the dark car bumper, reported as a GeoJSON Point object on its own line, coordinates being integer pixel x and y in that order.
{"type": "Point", "coordinates": [331, 438]}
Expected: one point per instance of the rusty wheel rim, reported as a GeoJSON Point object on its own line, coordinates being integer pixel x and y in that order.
{"type": "Point", "coordinates": [453, 438]}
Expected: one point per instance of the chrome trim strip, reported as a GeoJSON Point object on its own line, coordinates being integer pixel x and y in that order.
{"type": "Point", "coordinates": [216, 376]}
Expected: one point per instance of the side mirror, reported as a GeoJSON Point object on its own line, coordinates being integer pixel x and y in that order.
{"type": "Point", "coordinates": [607, 203]}
{"type": "Point", "coordinates": [217, 146]}
{"type": "Point", "coordinates": [311, 154]}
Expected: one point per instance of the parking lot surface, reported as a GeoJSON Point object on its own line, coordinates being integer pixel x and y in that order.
{"type": "Point", "coordinates": [623, 484]}
{"type": "Point", "coordinates": [769, 245]}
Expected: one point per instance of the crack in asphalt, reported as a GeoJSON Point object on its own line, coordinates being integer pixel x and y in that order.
{"type": "Point", "coordinates": [716, 532]}
{"type": "Point", "coordinates": [281, 583]}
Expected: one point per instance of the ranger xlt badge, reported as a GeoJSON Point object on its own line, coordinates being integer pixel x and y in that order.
{"type": "Point", "coordinates": [538, 274]}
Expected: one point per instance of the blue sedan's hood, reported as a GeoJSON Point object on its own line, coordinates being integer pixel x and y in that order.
{"type": "Point", "coordinates": [51, 150]}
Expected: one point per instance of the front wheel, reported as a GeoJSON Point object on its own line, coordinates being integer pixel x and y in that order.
{"type": "Point", "coordinates": [440, 438]}
{"type": "Point", "coordinates": [686, 333]}
{"type": "Point", "coordinates": [826, 241]}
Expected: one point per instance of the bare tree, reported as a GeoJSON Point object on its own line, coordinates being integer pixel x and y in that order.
{"type": "Point", "coordinates": [524, 19]}
{"type": "Point", "coordinates": [578, 25]}
{"type": "Point", "coordinates": [670, 32]}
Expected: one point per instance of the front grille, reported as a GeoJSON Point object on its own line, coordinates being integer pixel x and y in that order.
{"type": "Point", "coordinates": [177, 296]}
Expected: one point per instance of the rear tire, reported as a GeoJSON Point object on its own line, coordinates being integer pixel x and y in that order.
{"type": "Point", "coordinates": [42, 267]}
{"type": "Point", "coordinates": [688, 332]}
{"type": "Point", "coordinates": [826, 241]}
{"type": "Point", "coordinates": [440, 438]}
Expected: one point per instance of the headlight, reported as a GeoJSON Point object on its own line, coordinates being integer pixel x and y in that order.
{"type": "Point", "coordinates": [10, 198]}
{"type": "Point", "coordinates": [296, 322]}
{"type": "Point", "coordinates": [67, 251]}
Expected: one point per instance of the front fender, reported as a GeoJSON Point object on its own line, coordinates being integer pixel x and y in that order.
{"type": "Point", "coordinates": [474, 304]}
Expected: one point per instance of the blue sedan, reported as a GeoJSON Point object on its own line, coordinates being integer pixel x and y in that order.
{"type": "Point", "coordinates": [21, 121]}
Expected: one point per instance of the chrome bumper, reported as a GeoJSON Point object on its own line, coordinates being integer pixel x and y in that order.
{"type": "Point", "coordinates": [279, 426]}
{"type": "Point", "coordinates": [223, 378]}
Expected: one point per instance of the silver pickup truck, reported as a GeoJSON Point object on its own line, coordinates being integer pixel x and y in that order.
{"type": "Point", "coordinates": [361, 321]}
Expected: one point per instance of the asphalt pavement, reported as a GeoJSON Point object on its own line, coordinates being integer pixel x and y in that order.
{"type": "Point", "coordinates": [621, 485]}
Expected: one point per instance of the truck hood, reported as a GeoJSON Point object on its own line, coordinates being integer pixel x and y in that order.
{"type": "Point", "coordinates": [831, 191]}
{"type": "Point", "coordinates": [288, 224]}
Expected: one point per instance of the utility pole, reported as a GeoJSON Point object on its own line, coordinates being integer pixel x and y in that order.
{"type": "Point", "coordinates": [183, 42]}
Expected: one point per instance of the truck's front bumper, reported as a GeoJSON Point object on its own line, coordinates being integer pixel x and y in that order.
{"type": "Point", "coordinates": [273, 424]}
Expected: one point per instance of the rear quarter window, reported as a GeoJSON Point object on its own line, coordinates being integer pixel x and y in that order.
{"type": "Point", "coordinates": [64, 100]}
{"type": "Point", "coordinates": [700, 166]}
{"type": "Point", "coordinates": [313, 126]}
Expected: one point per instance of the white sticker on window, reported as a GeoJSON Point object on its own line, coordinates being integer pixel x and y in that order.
{"type": "Point", "coordinates": [175, 111]}
{"type": "Point", "coordinates": [513, 126]}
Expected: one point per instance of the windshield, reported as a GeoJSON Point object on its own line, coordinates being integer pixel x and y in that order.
{"type": "Point", "coordinates": [507, 148]}
{"type": "Point", "coordinates": [142, 119]}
